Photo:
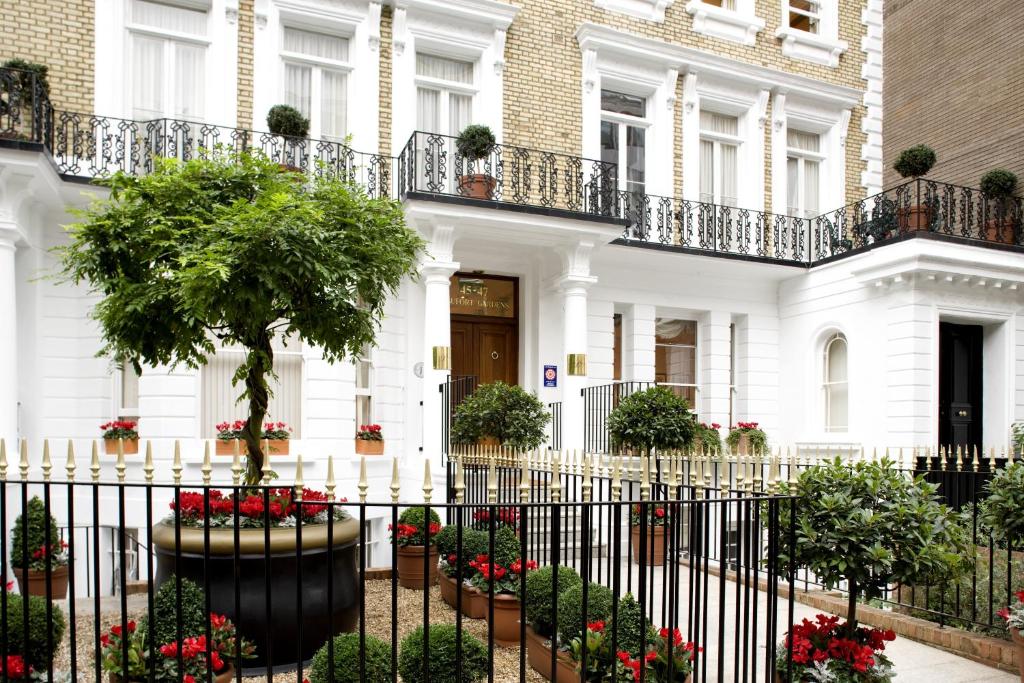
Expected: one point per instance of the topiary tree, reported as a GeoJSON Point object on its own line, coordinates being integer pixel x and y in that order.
{"type": "Point", "coordinates": [571, 619]}
{"type": "Point", "coordinates": [508, 413]}
{"type": "Point", "coordinates": [287, 121]}
{"type": "Point", "coordinates": [632, 629]}
{"type": "Point", "coordinates": [376, 654]}
{"type": "Point", "coordinates": [915, 161]}
{"type": "Point", "coordinates": [442, 659]}
{"type": "Point", "coordinates": [541, 598]}
{"type": "Point", "coordinates": [416, 517]}
{"type": "Point", "coordinates": [998, 183]}
{"type": "Point", "coordinates": [32, 645]}
{"type": "Point", "coordinates": [234, 248]}
{"type": "Point", "coordinates": [652, 419]}
{"type": "Point", "coordinates": [871, 526]}
{"type": "Point", "coordinates": [1002, 511]}
{"type": "Point", "coordinates": [475, 142]}
{"type": "Point", "coordinates": [166, 607]}
{"type": "Point", "coordinates": [33, 527]}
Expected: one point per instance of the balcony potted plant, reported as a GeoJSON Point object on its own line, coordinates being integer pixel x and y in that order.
{"type": "Point", "coordinates": [415, 538]}
{"type": "Point", "coordinates": [474, 143]}
{"type": "Point", "coordinates": [290, 124]}
{"type": "Point", "coordinates": [707, 438]}
{"type": "Point", "coordinates": [369, 440]}
{"type": "Point", "coordinates": [27, 649]}
{"type": "Point", "coordinates": [1014, 616]}
{"type": "Point", "coordinates": [37, 532]}
{"type": "Point", "coordinates": [24, 107]}
{"type": "Point", "coordinates": [657, 519]}
{"type": "Point", "coordinates": [276, 436]}
{"type": "Point", "coordinates": [998, 186]}
{"type": "Point", "coordinates": [369, 663]}
{"type": "Point", "coordinates": [747, 438]}
{"type": "Point", "coordinates": [508, 415]}
{"type": "Point", "coordinates": [914, 162]}
{"type": "Point", "coordinates": [542, 595]}
{"type": "Point", "coordinates": [443, 658]}
{"type": "Point", "coordinates": [651, 420]}
{"type": "Point", "coordinates": [120, 431]}
{"type": "Point", "coordinates": [824, 650]}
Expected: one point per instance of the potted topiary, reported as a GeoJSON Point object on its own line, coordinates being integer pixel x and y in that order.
{"type": "Point", "coordinates": [651, 420]}
{"type": "Point", "coordinates": [747, 438]}
{"type": "Point", "coordinates": [442, 659]}
{"type": "Point", "coordinates": [915, 162]}
{"type": "Point", "coordinates": [656, 523]}
{"type": "Point", "coordinates": [510, 415]}
{"type": "Point", "coordinates": [290, 124]}
{"type": "Point", "coordinates": [41, 539]}
{"type": "Point", "coordinates": [370, 663]}
{"type": "Point", "coordinates": [474, 143]}
{"type": "Point", "coordinates": [998, 186]}
{"type": "Point", "coordinates": [869, 526]}
{"type": "Point", "coordinates": [572, 623]}
{"type": "Point", "coordinates": [29, 648]}
{"type": "Point", "coordinates": [276, 436]}
{"type": "Point", "coordinates": [369, 440]}
{"type": "Point", "coordinates": [503, 574]}
{"type": "Point", "coordinates": [542, 594]}
{"type": "Point", "coordinates": [123, 432]}
{"type": "Point", "coordinates": [1014, 616]}
{"type": "Point", "coordinates": [446, 542]}
{"type": "Point", "coordinates": [414, 538]}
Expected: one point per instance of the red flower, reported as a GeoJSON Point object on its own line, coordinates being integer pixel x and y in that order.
{"type": "Point", "coordinates": [659, 512]}
{"type": "Point", "coordinates": [188, 678]}
{"type": "Point", "coordinates": [14, 667]}
{"type": "Point", "coordinates": [596, 626]}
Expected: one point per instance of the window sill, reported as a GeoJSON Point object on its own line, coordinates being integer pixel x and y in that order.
{"type": "Point", "coordinates": [651, 10]}
{"type": "Point", "coordinates": [809, 47]}
{"type": "Point", "coordinates": [726, 24]}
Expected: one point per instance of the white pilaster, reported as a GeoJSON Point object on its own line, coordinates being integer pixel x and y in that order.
{"type": "Point", "coordinates": [715, 355]}
{"type": "Point", "coordinates": [8, 338]}
{"type": "Point", "coordinates": [435, 272]}
{"type": "Point", "coordinates": [573, 284]}
{"type": "Point", "coordinates": [779, 153]}
{"type": "Point", "coordinates": [638, 343]}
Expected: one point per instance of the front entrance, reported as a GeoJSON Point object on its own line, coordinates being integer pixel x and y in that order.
{"type": "Point", "coordinates": [960, 385]}
{"type": "Point", "coordinates": [485, 327]}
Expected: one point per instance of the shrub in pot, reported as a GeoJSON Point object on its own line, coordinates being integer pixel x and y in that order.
{"type": "Point", "coordinates": [35, 541]}
{"type": "Point", "coordinates": [504, 580]}
{"type": "Point", "coordinates": [290, 124]}
{"type": "Point", "coordinates": [651, 420]}
{"type": "Point", "coordinates": [474, 143]}
{"type": "Point", "coordinates": [707, 438]}
{"type": "Point", "coordinates": [540, 596]}
{"type": "Point", "coordinates": [442, 660]}
{"type": "Point", "coordinates": [166, 609]}
{"type": "Point", "coordinates": [374, 658]}
{"type": "Point", "coordinates": [31, 645]}
{"type": "Point", "coordinates": [509, 414]}
{"type": "Point", "coordinates": [654, 518]}
{"type": "Point", "coordinates": [747, 438]}
{"type": "Point", "coordinates": [571, 618]}
{"type": "Point", "coordinates": [1001, 510]}
{"type": "Point", "coordinates": [415, 538]}
{"type": "Point", "coordinates": [998, 186]}
{"type": "Point", "coordinates": [123, 433]}
{"type": "Point", "coordinates": [915, 162]}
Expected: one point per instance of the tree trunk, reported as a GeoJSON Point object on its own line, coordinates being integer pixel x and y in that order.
{"type": "Point", "coordinates": [851, 610]}
{"type": "Point", "coordinates": [261, 357]}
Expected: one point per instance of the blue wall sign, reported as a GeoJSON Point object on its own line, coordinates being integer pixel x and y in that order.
{"type": "Point", "coordinates": [550, 375]}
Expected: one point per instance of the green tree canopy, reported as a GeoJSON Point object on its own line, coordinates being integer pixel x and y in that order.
{"type": "Point", "coordinates": [508, 413]}
{"type": "Point", "coordinates": [236, 248]}
{"type": "Point", "coordinates": [654, 418]}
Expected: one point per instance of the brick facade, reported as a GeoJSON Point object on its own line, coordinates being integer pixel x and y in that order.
{"type": "Point", "coordinates": [245, 62]}
{"type": "Point", "coordinates": [954, 80]}
{"type": "Point", "coordinates": [385, 81]}
{"type": "Point", "coordinates": [58, 33]}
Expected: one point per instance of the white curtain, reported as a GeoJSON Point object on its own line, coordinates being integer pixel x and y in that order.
{"type": "Point", "coordinates": [460, 112]}
{"type": "Point", "coordinates": [707, 171]}
{"type": "Point", "coordinates": [169, 17]}
{"type": "Point", "coordinates": [147, 84]}
{"type": "Point", "coordinates": [812, 184]}
{"type": "Point", "coordinates": [713, 122]}
{"type": "Point", "coordinates": [298, 87]}
{"type": "Point", "coordinates": [443, 68]}
{"type": "Point", "coordinates": [805, 142]}
{"type": "Point", "coordinates": [158, 60]}
{"type": "Point", "coordinates": [333, 104]}
{"type": "Point", "coordinates": [189, 81]}
{"type": "Point", "coordinates": [636, 166]}
{"type": "Point", "coordinates": [428, 110]}
{"type": "Point", "coordinates": [729, 174]}
{"type": "Point", "coordinates": [792, 186]}
{"type": "Point", "coordinates": [316, 44]}
{"type": "Point", "coordinates": [724, 193]}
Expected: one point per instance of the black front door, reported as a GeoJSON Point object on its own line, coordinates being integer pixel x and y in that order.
{"type": "Point", "coordinates": [960, 348]}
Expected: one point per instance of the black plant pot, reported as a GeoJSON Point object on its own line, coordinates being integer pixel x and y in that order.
{"type": "Point", "coordinates": [285, 636]}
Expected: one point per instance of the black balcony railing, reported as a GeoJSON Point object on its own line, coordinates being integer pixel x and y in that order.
{"type": "Point", "coordinates": [25, 111]}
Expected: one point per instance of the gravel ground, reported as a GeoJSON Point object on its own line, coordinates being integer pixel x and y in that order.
{"type": "Point", "coordinates": [378, 623]}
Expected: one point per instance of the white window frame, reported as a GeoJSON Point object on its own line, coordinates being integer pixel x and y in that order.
{"type": "Point", "coordinates": [121, 410]}
{"type": "Point", "coordinates": [802, 156]}
{"type": "Point", "coordinates": [717, 140]}
{"type": "Point", "coordinates": [827, 384]}
{"type": "Point", "coordinates": [365, 356]}
{"type": "Point", "coordinates": [695, 385]}
{"type": "Point", "coordinates": [823, 47]}
{"type": "Point", "coordinates": [318, 64]}
{"type": "Point", "coordinates": [650, 10]}
{"type": "Point", "coordinates": [622, 123]}
{"type": "Point", "coordinates": [738, 24]}
{"type": "Point", "coordinates": [814, 18]}
{"type": "Point", "coordinates": [169, 38]}
{"type": "Point", "coordinates": [446, 89]}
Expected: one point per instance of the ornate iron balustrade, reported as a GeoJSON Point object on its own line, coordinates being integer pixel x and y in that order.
{"type": "Point", "coordinates": [25, 110]}
{"type": "Point", "coordinates": [432, 164]}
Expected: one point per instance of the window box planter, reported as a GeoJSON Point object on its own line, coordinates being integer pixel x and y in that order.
{"type": "Point", "coordinates": [506, 620]}
{"type": "Point", "coordinates": [280, 624]}
{"type": "Point", "coordinates": [368, 447]}
{"type": "Point", "coordinates": [131, 446]}
{"type": "Point", "coordinates": [33, 582]}
{"type": "Point", "coordinates": [410, 566]}
{"type": "Point", "coordinates": [477, 186]}
{"type": "Point", "coordinates": [449, 589]}
{"type": "Point", "coordinates": [224, 676]}
{"type": "Point", "coordinates": [274, 447]}
{"type": "Point", "coordinates": [538, 653]}
{"type": "Point", "coordinates": [655, 544]}
{"type": "Point", "coordinates": [474, 603]}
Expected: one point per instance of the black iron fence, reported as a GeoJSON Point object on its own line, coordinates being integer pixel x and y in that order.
{"type": "Point", "coordinates": [556, 425]}
{"type": "Point", "coordinates": [453, 392]}
{"type": "Point", "coordinates": [26, 114]}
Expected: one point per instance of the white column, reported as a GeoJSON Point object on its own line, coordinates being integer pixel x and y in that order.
{"type": "Point", "coordinates": [8, 340]}
{"type": "Point", "coordinates": [715, 355]}
{"type": "Point", "coordinates": [573, 284]}
{"type": "Point", "coordinates": [435, 273]}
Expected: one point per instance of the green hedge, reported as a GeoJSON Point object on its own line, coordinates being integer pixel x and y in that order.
{"type": "Point", "coordinates": [165, 612]}
{"type": "Point", "coordinates": [540, 595]}
{"type": "Point", "coordinates": [376, 654]}
{"type": "Point", "coordinates": [34, 647]}
{"type": "Point", "coordinates": [570, 609]}
{"type": "Point", "coordinates": [443, 658]}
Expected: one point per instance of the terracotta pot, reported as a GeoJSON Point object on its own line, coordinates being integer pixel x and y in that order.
{"type": "Point", "coordinates": [488, 442]}
{"type": "Point", "coordinates": [410, 566]}
{"type": "Point", "coordinates": [1018, 639]}
{"type": "Point", "coordinates": [33, 582]}
{"type": "Point", "coordinates": [743, 445]}
{"type": "Point", "coordinates": [274, 447]}
{"type": "Point", "coordinates": [915, 218]}
{"type": "Point", "coordinates": [368, 447]}
{"type": "Point", "coordinates": [506, 620]}
{"type": "Point", "coordinates": [538, 654]}
{"type": "Point", "coordinates": [655, 539]}
{"type": "Point", "coordinates": [1000, 231]}
{"type": "Point", "coordinates": [131, 446]}
{"type": "Point", "coordinates": [449, 589]}
{"type": "Point", "coordinates": [474, 603]}
{"type": "Point", "coordinates": [224, 676]}
{"type": "Point", "coordinates": [477, 186]}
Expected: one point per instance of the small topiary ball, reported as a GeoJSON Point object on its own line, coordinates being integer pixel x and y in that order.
{"type": "Point", "coordinates": [38, 528]}
{"type": "Point", "coordinates": [998, 183]}
{"type": "Point", "coordinates": [570, 609]}
{"type": "Point", "coordinates": [474, 543]}
{"type": "Point", "coordinates": [166, 608]}
{"type": "Point", "coordinates": [376, 654]}
{"type": "Point", "coordinates": [540, 595]}
{"type": "Point", "coordinates": [288, 121]}
{"type": "Point", "coordinates": [915, 161]}
{"type": "Point", "coordinates": [475, 142]}
{"type": "Point", "coordinates": [33, 647]}
{"type": "Point", "coordinates": [442, 659]}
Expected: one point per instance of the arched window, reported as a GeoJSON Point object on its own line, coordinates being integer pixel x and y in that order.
{"type": "Point", "coordinates": [836, 384]}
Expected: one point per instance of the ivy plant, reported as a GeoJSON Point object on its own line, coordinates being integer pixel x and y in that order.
{"type": "Point", "coordinates": [652, 419]}
{"type": "Point", "coordinates": [508, 413]}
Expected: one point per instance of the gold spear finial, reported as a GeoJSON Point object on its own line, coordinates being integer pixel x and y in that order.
{"type": "Point", "coordinates": [24, 460]}
{"type": "Point", "coordinates": [959, 459]}
{"type": "Point", "coordinates": [774, 470]}
{"type": "Point", "coordinates": [645, 478]}
{"type": "Point", "coordinates": [587, 483]}
{"type": "Point", "coordinates": [974, 461]}
{"type": "Point", "coordinates": [299, 483]}
{"type": "Point", "coordinates": [207, 468]}
{"type": "Point", "coordinates": [47, 463]}
{"type": "Point", "coordinates": [396, 486]}
{"type": "Point", "coordinates": [176, 463]}
{"type": "Point", "coordinates": [460, 478]}
{"type": "Point", "coordinates": [236, 463]}
{"type": "Point", "coordinates": [992, 459]}
{"type": "Point", "coordinates": [524, 480]}
{"type": "Point", "coordinates": [698, 489]}
{"type": "Point", "coordinates": [792, 467]}
{"type": "Point", "coordinates": [428, 483]}
{"type": "Point", "coordinates": [147, 466]}
{"type": "Point", "coordinates": [616, 478]}
{"type": "Point", "coordinates": [331, 484]}
{"type": "Point", "coordinates": [266, 473]}
{"type": "Point", "coordinates": [120, 466]}
{"type": "Point", "coordinates": [69, 466]}
{"type": "Point", "coordinates": [492, 479]}
{"type": "Point", "coordinates": [94, 465]}
{"type": "Point", "coordinates": [364, 483]}
{"type": "Point", "coordinates": [3, 459]}
{"type": "Point", "coordinates": [556, 479]}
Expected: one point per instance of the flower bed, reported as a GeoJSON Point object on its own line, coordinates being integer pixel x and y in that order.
{"type": "Point", "coordinates": [254, 508]}
{"type": "Point", "coordinates": [824, 650]}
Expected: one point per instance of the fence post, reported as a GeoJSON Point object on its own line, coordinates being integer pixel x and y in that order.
{"type": "Point", "coordinates": [364, 485]}
{"type": "Point", "coordinates": [299, 483]}
{"type": "Point", "coordinates": [460, 478]}
{"type": "Point", "coordinates": [207, 468]}
{"type": "Point", "coordinates": [616, 479]}
{"type": "Point", "coordinates": [428, 485]}
{"type": "Point", "coordinates": [69, 466]}
{"type": "Point", "coordinates": [586, 478]}
{"type": "Point", "coordinates": [95, 464]}
{"type": "Point", "coordinates": [396, 486]}
{"type": "Point", "coordinates": [47, 464]}
{"type": "Point", "coordinates": [492, 478]}
{"type": "Point", "coordinates": [524, 482]}
{"type": "Point", "coordinates": [331, 484]}
{"type": "Point", "coordinates": [556, 479]}
{"type": "Point", "coordinates": [147, 467]}
{"type": "Point", "coordinates": [24, 460]}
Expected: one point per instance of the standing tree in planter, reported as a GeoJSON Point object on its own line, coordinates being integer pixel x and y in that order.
{"type": "Point", "coordinates": [868, 525]}
{"type": "Point", "coordinates": [650, 420]}
{"type": "Point", "coordinates": [233, 248]}
{"type": "Point", "coordinates": [35, 538]}
{"type": "Point", "coordinates": [1002, 213]}
{"type": "Point", "coordinates": [509, 414]}
{"type": "Point", "coordinates": [475, 143]}
{"type": "Point", "coordinates": [914, 214]}
{"type": "Point", "coordinates": [290, 124]}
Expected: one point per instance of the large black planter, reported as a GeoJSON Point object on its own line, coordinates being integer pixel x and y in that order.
{"type": "Point", "coordinates": [279, 635]}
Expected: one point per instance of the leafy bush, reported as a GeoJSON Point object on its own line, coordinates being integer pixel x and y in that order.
{"type": "Point", "coordinates": [998, 183]}
{"type": "Point", "coordinates": [287, 121]}
{"type": "Point", "coordinates": [868, 524]}
{"type": "Point", "coordinates": [474, 544]}
{"type": "Point", "coordinates": [540, 595]}
{"type": "Point", "coordinates": [36, 533]}
{"type": "Point", "coordinates": [412, 530]}
{"type": "Point", "coordinates": [630, 625]}
{"type": "Point", "coordinates": [570, 609]}
{"type": "Point", "coordinates": [29, 70]}
{"type": "Point", "coordinates": [165, 612]}
{"type": "Point", "coordinates": [510, 414]}
{"type": "Point", "coordinates": [709, 438]}
{"type": "Point", "coordinates": [1002, 511]}
{"type": "Point", "coordinates": [651, 419]}
{"type": "Point", "coordinates": [506, 546]}
{"type": "Point", "coordinates": [756, 437]}
{"type": "Point", "coordinates": [446, 540]}
{"type": "Point", "coordinates": [33, 648]}
{"type": "Point", "coordinates": [475, 142]}
{"type": "Point", "coordinates": [376, 654]}
{"type": "Point", "coordinates": [915, 161]}
{"type": "Point", "coordinates": [442, 659]}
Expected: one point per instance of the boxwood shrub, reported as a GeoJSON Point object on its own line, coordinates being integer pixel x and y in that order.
{"type": "Point", "coordinates": [570, 609]}
{"type": "Point", "coordinates": [32, 648]}
{"type": "Point", "coordinates": [540, 595]}
{"type": "Point", "coordinates": [35, 532]}
{"type": "Point", "coordinates": [915, 161]}
{"type": "Point", "coordinates": [376, 654]}
{"type": "Point", "coordinates": [287, 121]}
{"type": "Point", "coordinates": [165, 612]}
{"type": "Point", "coordinates": [629, 626]}
{"type": "Point", "coordinates": [442, 659]}
{"type": "Point", "coordinates": [1001, 511]}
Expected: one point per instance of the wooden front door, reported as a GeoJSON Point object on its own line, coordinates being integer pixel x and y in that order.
{"type": "Point", "coordinates": [485, 327]}
{"type": "Point", "coordinates": [960, 385]}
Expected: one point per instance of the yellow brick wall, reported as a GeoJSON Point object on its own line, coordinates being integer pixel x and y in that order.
{"type": "Point", "coordinates": [246, 18]}
{"type": "Point", "coordinates": [58, 33]}
{"type": "Point", "coordinates": [384, 146]}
